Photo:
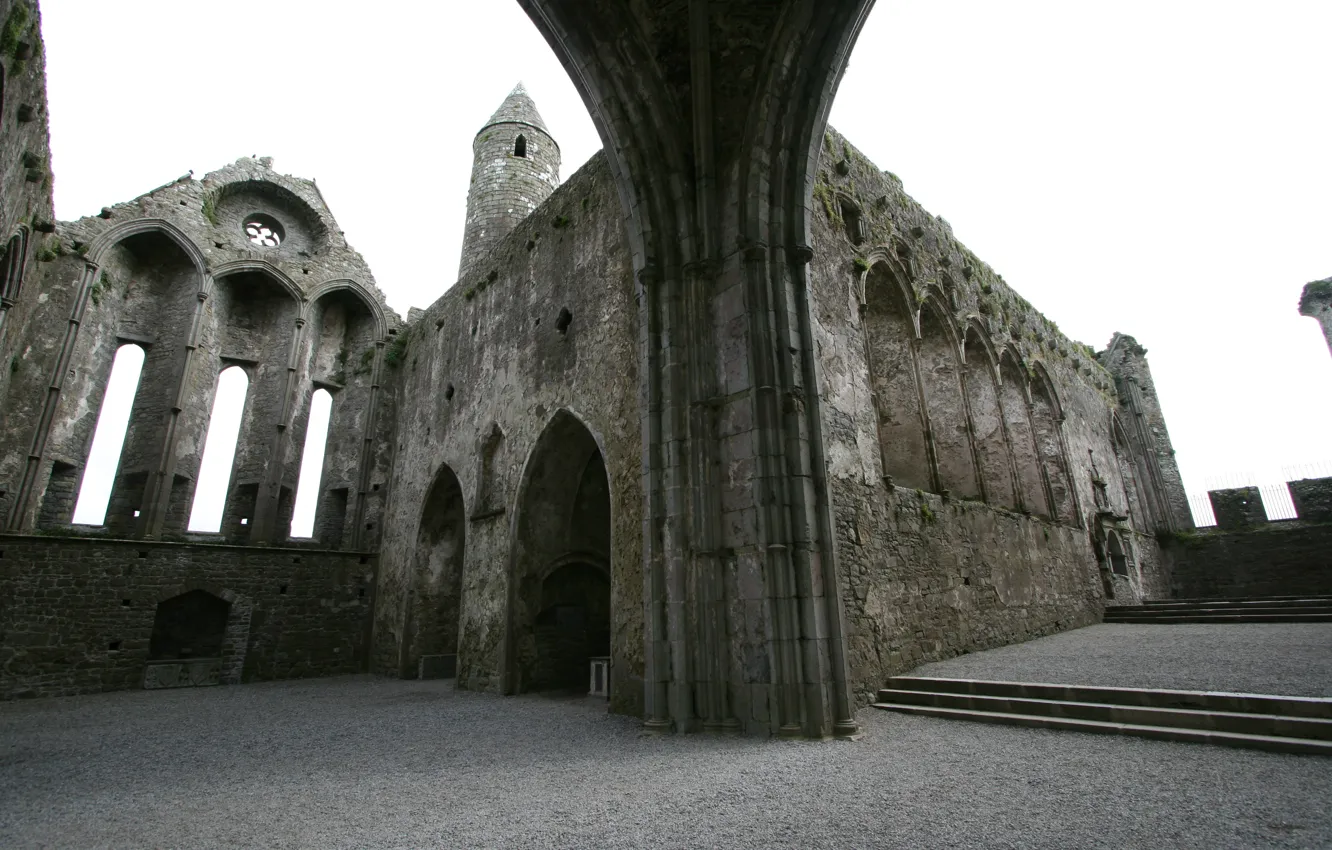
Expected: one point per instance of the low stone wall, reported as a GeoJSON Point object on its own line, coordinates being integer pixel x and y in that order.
{"type": "Point", "coordinates": [76, 614]}
{"type": "Point", "coordinates": [927, 579]}
{"type": "Point", "coordinates": [1272, 559]}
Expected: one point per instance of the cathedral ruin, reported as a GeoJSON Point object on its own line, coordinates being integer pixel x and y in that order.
{"type": "Point", "coordinates": [760, 448]}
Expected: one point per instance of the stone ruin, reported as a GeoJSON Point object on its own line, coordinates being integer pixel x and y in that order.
{"type": "Point", "coordinates": [558, 459]}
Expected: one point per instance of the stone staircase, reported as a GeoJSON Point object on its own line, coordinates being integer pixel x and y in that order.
{"type": "Point", "coordinates": [1258, 609]}
{"type": "Point", "coordinates": [1282, 724]}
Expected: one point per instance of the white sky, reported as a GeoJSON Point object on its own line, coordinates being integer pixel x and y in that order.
{"type": "Point", "coordinates": [1158, 168]}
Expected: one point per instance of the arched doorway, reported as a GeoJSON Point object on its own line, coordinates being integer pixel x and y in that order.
{"type": "Point", "coordinates": [560, 608]}
{"type": "Point", "coordinates": [432, 642]}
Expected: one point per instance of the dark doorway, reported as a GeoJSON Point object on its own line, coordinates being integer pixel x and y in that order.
{"type": "Point", "coordinates": [560, 614]}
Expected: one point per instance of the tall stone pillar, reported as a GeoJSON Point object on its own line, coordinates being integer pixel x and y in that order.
{"type": "Point", "coordinates": [1316, 303]}
{"type": "Point", "coordinates": [712, 113]}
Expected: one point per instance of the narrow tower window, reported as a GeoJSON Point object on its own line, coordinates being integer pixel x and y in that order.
{"type": "Point", "coordinates": [210, 496]}
{"type": "Point", "coordinates": [312, 465]}
{"type": "Point", "coordinates": [520, 146]}
{"type": "Point", "coordinates": [109, 438]}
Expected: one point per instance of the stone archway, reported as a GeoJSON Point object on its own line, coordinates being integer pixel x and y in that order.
{"type": "Point", "coordinates": [431, 650]}
{"type": "Point", "coordinates": [560, 588]}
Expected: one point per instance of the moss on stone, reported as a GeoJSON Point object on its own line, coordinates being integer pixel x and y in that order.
{"type": "Point", "coordinates": [16, 25]}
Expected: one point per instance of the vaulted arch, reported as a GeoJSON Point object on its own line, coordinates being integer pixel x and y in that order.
{"type": "Point", "coordinates": [993, 455]}
{"type": "Point", "coordinates": [1015, 402]}
{"type": "Point", "coordinates": [1047, 418]}
{"type": "Point", "coordinates": [559, 600]}
{"type": "Point", "coordinates": [715, 153]}
{"type": "Point", "coordinates": [945, 406]}
{"type": "Point", "coordinates": [890, 352]}
{"type": "Point", "coordinates": [435, 607]}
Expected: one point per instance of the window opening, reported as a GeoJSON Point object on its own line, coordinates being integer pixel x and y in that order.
{"type": "Point", "coordinates": [520, 147]}
{"type": "Point", "coordinates": [210, 495]}
{"type": "Point", "coordinates": [263, 231]}
{"type": "Point", "coordinates": [312, 464]}
{"type": "Point", "coordinates": [109, 437]}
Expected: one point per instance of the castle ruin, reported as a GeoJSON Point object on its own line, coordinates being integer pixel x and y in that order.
{"type": "Point", "coordinates": [760, 459]}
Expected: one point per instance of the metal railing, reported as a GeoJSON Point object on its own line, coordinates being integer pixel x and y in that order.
{"type": "Point", "coordinates": [1277, 503]}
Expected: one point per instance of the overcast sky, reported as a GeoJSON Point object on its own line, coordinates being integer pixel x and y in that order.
{"type": "Point", "coordinates": [1158, 168]}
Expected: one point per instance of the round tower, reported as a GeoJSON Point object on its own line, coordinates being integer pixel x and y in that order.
{"type": "Point", "coordinates": [515, 166]}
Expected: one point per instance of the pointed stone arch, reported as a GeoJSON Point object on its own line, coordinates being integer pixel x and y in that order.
{"type": "Point", "coordinates": [994, 457]}
{"type": "Point", "coordinates": [560, 578]}
{"type": "Point", "coordinates": [940, 356]}
{"type": "Point", "coordinates": [434, 615]}
{"type": "Point", "coordinates": [118, 233]}
{"type": "Point", "coordinates": [1015, 402]}
{"type": "Point", "coordinates": [1047, 416]}
{"type": "Point", "coordinates": [890, 335]}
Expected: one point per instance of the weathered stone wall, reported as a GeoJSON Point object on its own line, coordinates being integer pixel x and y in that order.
{"type": "Point", "coordinates": [938, 376]}
{"type": "Point", "coordinates": [543, 334]}
{"type": "Point", "coordinates": [175, 272]}
{"type": "Point", "coordinates": [26, 216]}
{"type": "Point", "coordinates": [76, 615]}
{"type": "Point", "coordinates": [1272, 559]}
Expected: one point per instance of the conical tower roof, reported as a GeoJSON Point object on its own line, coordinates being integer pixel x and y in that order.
{"type": "Point", "coordinates": [518, 108]}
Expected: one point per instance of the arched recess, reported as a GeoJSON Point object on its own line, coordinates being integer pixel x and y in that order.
{"type": "Point", "coordinates": [890, 352]}
{"type": "Point", "coordinates": [1117, 554]}
{"type": "Point", "coordinates": [187, 618]}
{"type": "Point", "coordinates": [1138, 510]}
{"type": "Point", "coordinates": [1047, 421]}
{"type": "Point", "coordinates": [436, 595]}
{"type": "Point", "coordinates": [945, 408]}
{"type": "Point", "coordinates": [560, 585]}
{"type": "Point", "coordinates": [987, 420]}
{"type": "Point", "coordinates": [252, 323]}
{"type": "Point", "coordinates": [146, 290]}
{"type": "Point", "coordinates": [342, 353]}
{"type": "Point", "coordinates": [12, 266]}
{"type": "Point", "coordinates": [1016, 405]}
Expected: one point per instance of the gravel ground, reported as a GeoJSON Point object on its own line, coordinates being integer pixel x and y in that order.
{"type": "Point", "coordinates": [359, 762]}
{"type": "Point", "coordinates": [1264, 658]}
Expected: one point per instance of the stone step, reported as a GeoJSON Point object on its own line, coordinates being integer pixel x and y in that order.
{"type": "Point", "coordinates": [1215, 701]}
{"type": "Point", "coordinates": [1113, 613]}
{"type": "Point", "coordinates": [1240, 600]}
{"type": "Point", "coordinates": [1184, 718]}
{"type": "Point", "coordinates": [1162, 733]}
{"type": "Point", "coordinates": [1237, 605]}
{"type": "Point", "coordinates": [1220, 618]}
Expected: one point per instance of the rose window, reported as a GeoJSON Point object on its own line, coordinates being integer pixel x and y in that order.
{"type": "Point", "coordinates": [263, 231]}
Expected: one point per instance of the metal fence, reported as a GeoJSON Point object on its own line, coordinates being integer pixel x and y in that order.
{"type": "Point", "coordinates": [1275, 494]}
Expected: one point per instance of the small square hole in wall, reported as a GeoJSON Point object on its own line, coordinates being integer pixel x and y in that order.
{"type": "Point", "coordinates": [369, 525]}
{"type": "Point", "coordinates": [365, 559]}
{"type": "Point", "coordinates": [113, 646]}
{"type": "Point", "coordinates": [360, 593]}
{"type": "Point", "coordinates": [282, 588]}
{"type": "Point", "coordinates": [296, 560]}
{"type": "Point", "coordinates": [126, 602]}
{"type": "Point", "coordinates": [375, 488]}
{"type": "Point", "coordinates": [966, 581]}
{"type": "Point", "coordinates": [143, 553]}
